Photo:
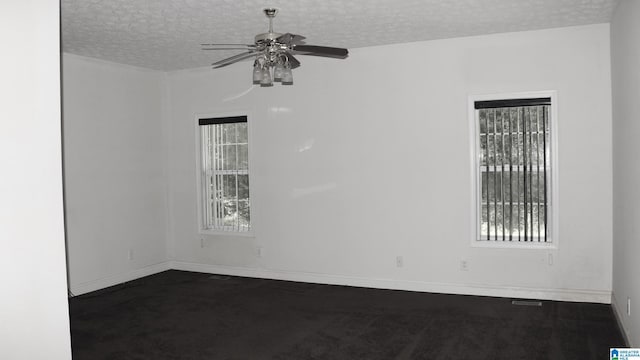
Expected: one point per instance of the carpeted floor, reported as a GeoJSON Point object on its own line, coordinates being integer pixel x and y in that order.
{"type": "Point", "coordinates": [184, 315]}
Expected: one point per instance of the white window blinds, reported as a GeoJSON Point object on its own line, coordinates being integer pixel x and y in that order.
{"type": "Point", "coordinates": [225, 174]}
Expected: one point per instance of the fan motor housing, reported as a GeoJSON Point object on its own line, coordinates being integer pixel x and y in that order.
{"type": "Point", "coordinates": [266, 37]}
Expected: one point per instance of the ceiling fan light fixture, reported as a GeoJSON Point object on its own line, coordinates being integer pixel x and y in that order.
{"type": "Point", "coordinates": [266, 78]}
{"type": "Point", "coordinates": [274, 54]}
{"type": "Point", "coordinates": [278, 71]}
{"type": "Point", "coordinates": [257, 73]}
{"type": "Point", "coordinates": [287, 76]}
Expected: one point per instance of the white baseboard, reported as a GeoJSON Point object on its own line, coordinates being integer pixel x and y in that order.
{"type": "Point", "coordinates": [618, 315]}
{"type": "Point", "coordinates": [115, 279]}
{"type": "Point", "coordinates": [592, 296]}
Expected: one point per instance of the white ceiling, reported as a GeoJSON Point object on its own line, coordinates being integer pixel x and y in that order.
{"type": "Point", "coordinates": [166, 34]}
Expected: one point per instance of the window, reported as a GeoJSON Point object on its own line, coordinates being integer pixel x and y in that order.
{"type": "Point", "coordinates": [224, 168]}
{"type": "Point", "coordinates": [513, 163]}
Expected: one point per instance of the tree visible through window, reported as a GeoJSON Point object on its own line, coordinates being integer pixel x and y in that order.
{"type": "Point", "coordinates": [225, 174]}
{"type": "Point", "coordinates": [513, 154]}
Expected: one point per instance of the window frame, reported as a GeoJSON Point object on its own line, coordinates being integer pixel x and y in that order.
{"type": "Point", "coordinates": [552, 191]}
{"type": "Point", "coordinates": [202, 230]}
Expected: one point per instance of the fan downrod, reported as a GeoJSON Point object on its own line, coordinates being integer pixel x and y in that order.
{"type": "Point", "coordinates": [270, 36]}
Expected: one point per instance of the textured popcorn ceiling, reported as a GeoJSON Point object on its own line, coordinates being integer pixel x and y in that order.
{"type": "Point", "coordinates": [165, 34]}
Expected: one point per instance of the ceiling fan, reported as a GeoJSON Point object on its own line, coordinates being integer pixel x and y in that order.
{"type": "Point", "coordinates": [274, 54]}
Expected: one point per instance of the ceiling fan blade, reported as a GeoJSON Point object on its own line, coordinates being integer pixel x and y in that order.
{"type": "Point", "coordinates": [227, 48]}
{"type": "Point", "coordinates": [291, 39]}
{"type": "Point", "coordinates": [292, 60]}
{"type": "Point", "coordinates": [244, 45]}
{"type": "Point", "coordinates": [233, 59]}
{"type": "Point", "coordinates": [326, 51]}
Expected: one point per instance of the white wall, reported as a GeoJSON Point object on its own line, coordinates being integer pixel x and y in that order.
{"type": "Point", "coordinates": [114, 172]}
{"type": "Point", "coordinates": [368, 158]}
{"type": "Point", "coordinates": [34, 320]}
{"type": "Point", "coordinates": [625, 58]}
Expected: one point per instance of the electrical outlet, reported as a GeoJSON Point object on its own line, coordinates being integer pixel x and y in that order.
{"type": "Point", "coordinates": [130, 254]}
{"type": "Point", "coordinates": [202, 243]}
{"type": "Point", "coordinates": [550, 259]}
{"type": "Point", "coordinates": [464, 265]}
{"type": "Point", "coordinates": [628, 306]}
{"type": "Point", "coordinates": [399, 261]}
{"type": "Point", "coordinates": [259, 251]}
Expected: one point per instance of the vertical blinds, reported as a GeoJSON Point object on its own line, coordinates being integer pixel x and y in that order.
{"type": "Point", "coordinates": [225, 174]}
{"type": "Point", "coordinates": [513, 169]}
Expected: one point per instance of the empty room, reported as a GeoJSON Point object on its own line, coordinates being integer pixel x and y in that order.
{"type": "Point", "coordinates": [188, 179]}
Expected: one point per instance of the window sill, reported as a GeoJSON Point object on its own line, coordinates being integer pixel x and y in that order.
{"type": "Point", "coordinates": [245, 234]}
{"type": "Point", "coordinates": [514, 245]}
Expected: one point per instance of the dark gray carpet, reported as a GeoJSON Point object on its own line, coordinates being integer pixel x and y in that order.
{"type": "Point", "coordinates": [184, 315]}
